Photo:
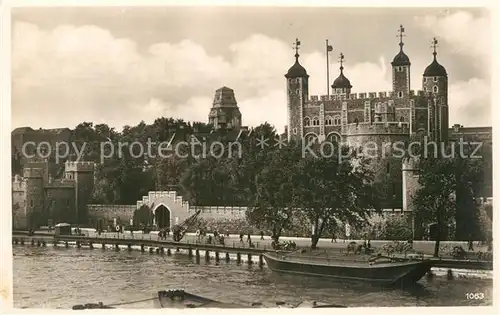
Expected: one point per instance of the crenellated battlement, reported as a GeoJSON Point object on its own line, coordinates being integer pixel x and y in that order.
{"type": "Point", "coordinates": [71, 166]}
{"type": "Point", "coordinates": [377, 128]}
{"type": "Point", "coordinates": [19, 184]}
{"type": "Point", "coordinates": [32, 172]}
{"type": "Point", "coordinates": [61, 183]}
{"type": "Point", "coordinates": [353, 96]}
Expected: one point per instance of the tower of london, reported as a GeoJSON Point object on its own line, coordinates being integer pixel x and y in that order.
{"type": "Point", "coordinates": [382, 118]}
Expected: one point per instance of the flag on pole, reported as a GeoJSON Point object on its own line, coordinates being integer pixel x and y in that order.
{"type": "Point", "coordinates": [329, 48]}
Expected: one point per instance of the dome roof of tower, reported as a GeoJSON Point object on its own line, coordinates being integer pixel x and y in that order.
{"type": "Point", "coordinates": [296, 71]}
{"type": "Point", "coordinates": [341, 82]}
{"type": "Point", "coordinates": [435, 70]}
{"type": "Point", "coordinates": [401, 59]}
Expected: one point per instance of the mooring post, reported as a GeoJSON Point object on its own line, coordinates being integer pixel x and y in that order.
{"type": "Point", "coordinates": [55, 243]}
{"type": "Point", "coordinates": [216, 256]}
{"type": "Point", "coordinates": [157, 250]}
{"type": "Point", "coordinates": [261, 261]}
{"type": "Point", "coordinates": [227, 257]}
{"type": "Point", "coordinates": [32, 242]}
{"type": "Point", "coordinates": [197, 255]}
{"type": "Point", "coordinates": [169, 252]}
{"type": "Point", "coordinates": [207, 255]}
{"type": "Point", "coordinates": [38, 243]}
{"type": "Point", "coordinates": [91, 245]}
{"type": "Point", "coordinates": [66, 244]}
{"type": "Point", "coordinates": [78, 244]}
{"type": "Point", "coordinates": [162, 250]}
{"type": "Point", "coordinates": [151, 250]}
{"type": "Point", "coordinates": [238, 258]}
{"type": "Point", "coordinates": [142, 248]}
{"type": "Point", "coordinates": [129, 247]}
{"type": "Point", "coordinates": [249, 259]}
{"type": "Point", "coordinates": [177, 250]}
{"type": "Point", "coordinates": [103, 245]}
{"type": "Point", "coordinates": [190, 253]}
{"type": "Point", "coordinates": [44, 244]}
{"type": "Point", "coordinates": [117, 248]}
{"type": "Point", "coordinates": [449, 274]}
{"type": "Point", "coordinates": [22, 241]}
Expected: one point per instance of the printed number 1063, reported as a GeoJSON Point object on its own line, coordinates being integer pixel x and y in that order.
{"type": "Point", "coordinates": [474, 296]}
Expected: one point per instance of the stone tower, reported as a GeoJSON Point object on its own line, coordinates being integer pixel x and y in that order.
{"type": "Point", "coordinates": [435, 81]}
{"type": "Point", "coordinates": [401, 70]}
{"type": "Point", "coordinates": [34, 197]}
{"type": "Point", "coordinates": [297, 86]}
{"type": "Point", "coordinates": [83, 175]}
{"type": "Point", "coordinates": [341, 85]}
{"type": "Point", "coordinates": [225, 113]}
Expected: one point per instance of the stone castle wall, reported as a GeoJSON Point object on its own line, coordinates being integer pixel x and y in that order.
{"type": "Point", "coordinates": [122, 213]}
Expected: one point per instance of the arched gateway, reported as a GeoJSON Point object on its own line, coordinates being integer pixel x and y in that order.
{"type": "Point", "coordinates": [167, 207]}
{"type": "Point", "coordinates": [161, 216]}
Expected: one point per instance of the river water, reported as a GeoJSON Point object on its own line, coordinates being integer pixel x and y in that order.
{"type": "Point", "coordinates": [48, 277]}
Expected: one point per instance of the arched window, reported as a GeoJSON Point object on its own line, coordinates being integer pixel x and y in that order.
{"type": "Point", "coordinates": [307, 122]}
{"type": "Point", "coordinates": [400, 94]}
{"type": "Point", "coordinates": [435, 79]}
{"type": "Point", "coordinates": [435, 89]}
{"type": "Point", "coordinates": [336, 121]}
{"type": "Point", "coordinates": [333, 138]}
{"type": "Point", "coordinates": [315, 121]}
{"type": "Point", "coordinates": [328, 121]}
{"type": "Point", "coordinates": [311, 138]}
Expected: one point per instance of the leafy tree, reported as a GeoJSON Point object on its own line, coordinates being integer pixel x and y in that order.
{"type": "Point", "coordinates": [276, 191]}
{"type": "Point", "coordinates": [143, 216]}
{"type": "Point", "coordinates": [435, 199]}
{"type": "Point", "coordinates": [335, 189]}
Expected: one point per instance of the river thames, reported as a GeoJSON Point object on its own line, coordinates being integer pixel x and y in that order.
{"type": "Point", "coordinates": [48, 277]}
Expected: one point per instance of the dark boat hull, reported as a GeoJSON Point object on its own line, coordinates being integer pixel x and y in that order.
{"type": "Point", "coordinates": [399, 273]}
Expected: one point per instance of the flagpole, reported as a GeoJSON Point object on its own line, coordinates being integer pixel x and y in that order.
{"type": "Point", "coordinates": [327, 72]}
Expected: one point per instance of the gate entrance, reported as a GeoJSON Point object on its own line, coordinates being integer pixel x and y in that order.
{"type": "Point", "coordinates": [162, 217]}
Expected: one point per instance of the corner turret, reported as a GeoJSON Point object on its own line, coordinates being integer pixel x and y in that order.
{"type": "Point", "coordinates": [297, 95]}
{"type": "Point", "coordinates": [341, 85]}
{"type": "Point", "coordinates": [401, 69]}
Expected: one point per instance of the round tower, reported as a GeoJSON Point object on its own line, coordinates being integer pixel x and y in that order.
{"type": "Point", "coordinates": [401, 70]}
{"type": "Point", "coordinates": [34, 197]}
{"type": "Point", "coordinates": [297, 84]}
{"type": "Point", "coordinates": [341, 85]}
{"type": "Point", "coordinates": [382, 143]}
{"type": "Point", "coordinates": [435, 82]}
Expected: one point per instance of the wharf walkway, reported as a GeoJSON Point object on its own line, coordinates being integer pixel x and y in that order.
{"type": "Point", "coordinates": [232, 245]}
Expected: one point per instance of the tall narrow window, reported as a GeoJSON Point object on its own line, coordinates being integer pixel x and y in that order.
{"type": "Point", "coordinates": [387, 168]}
{"type": "Point", "coordinates": [32, 203]}
{"type": "Point", "coordinates": [435, 89]}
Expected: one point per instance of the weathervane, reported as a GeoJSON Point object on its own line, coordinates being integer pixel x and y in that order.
{"type": "Point", "coordinates": [401, 35]}
{"type": "Point", "coordinates": [296, 46]}
{"type": "Point", "coordinates": [434, 46]}
{"type": "Point", "coordinates": [341, 60]}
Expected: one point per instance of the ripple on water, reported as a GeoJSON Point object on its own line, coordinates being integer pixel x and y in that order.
{"type": "Point", "coordinates": [60, 278]}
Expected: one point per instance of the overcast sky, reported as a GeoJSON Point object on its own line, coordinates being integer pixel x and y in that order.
{"type": "Point", "coordinates": [123, 65]}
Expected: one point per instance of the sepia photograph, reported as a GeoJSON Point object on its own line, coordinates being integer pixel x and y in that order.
{"type": "Point", "coordinates": [250, 157]}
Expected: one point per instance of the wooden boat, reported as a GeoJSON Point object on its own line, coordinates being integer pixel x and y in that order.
{"type": "Point", "coordinates": [179, 299]}
{"type": "Point", "coordinates": [393, 271]}
{"type": "Point", "coordinates": [182, 299]}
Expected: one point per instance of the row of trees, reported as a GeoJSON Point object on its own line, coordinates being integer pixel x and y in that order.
{"type": "Point", "coordinates": [282, 187]}
{"type": "Point", "coordinates": [449, 184]}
